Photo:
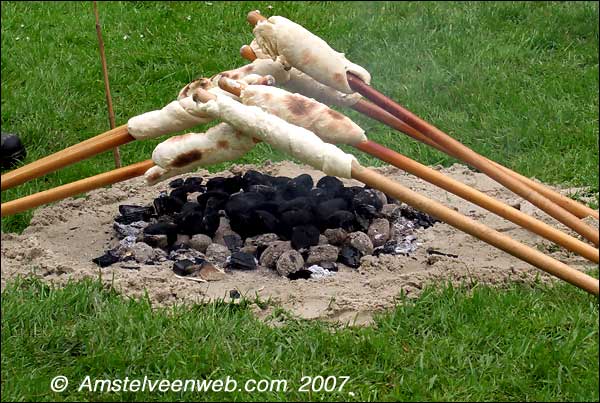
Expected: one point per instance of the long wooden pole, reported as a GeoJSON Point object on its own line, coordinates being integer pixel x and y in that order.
{"type": "Point", "coordinates": [75, 188]}
{"type": "Point", "coordinates": [474, 159]}
{"type": "Point", "coordinates": [111, 112]}
{"type": "Point", "coordinates": [373, 111]}
{"type": "Point", "coordinates": [103, 142]}
{"type": "Point", "coordinates": [481, 199]}
{"type": "Point", "coordinates": [478, 230]}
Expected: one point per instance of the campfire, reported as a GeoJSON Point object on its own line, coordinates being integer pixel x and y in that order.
{"type": "Point", "coordinates": [301, 124]}
{"type": "Point", "coordinates": [297, 227]}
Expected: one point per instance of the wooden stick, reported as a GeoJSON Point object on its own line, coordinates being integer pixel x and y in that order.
{"type": "Point", "coordinates": [481, 199]}
{"type": "Point", "coordinates": [111, 113]}
{"type": "Point", "coordinates": [367, 108]}
{"type": "Point", "coordinates": [75, 188]}
{"type": "Point", "coordinates": [103, 142]}
{"type": "Point", "coordinates": [478, 230]}
{"type": "Point", "coordinates": [475, 160]}
{"type": "Point", "coordinates": [456, 187]}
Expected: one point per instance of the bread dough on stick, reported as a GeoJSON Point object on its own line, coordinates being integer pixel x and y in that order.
{"type": "Point", "coordinates": [293, 45]}
{"type": "Point", "coordinates": [176, 116]}
{"type": "Point", "coordinates": [304, 84]}
{"type": "Point", "coordinates": [219, 144]}
{"type": "Point", "coordinates": [157, 174]}
{"type": "Point", "coordinates": [331, 126]}
{"type": "Point", "coordinates": [290, 139]}
{"type": "Point", "coordinates": [261, 67]}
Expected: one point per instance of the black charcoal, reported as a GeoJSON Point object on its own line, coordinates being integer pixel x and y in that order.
{"type": "Point", "coordinates": [163, 228]}
{"type": "Point", "coordinates": [193, 184]}
{"type": "Point", "coordinates": [269, 192]}
{"type": "Point", "coordinates": [252, 177]}
{"type": "Point", "coordinates": [341, 219]}
{"type": "Point", "coordinates": [107, 259]}
{"type": "Point", "coordinates": [242, 261]}
{"type": "Point", "coordinates": [350, 256]}
{"type": "Point", "coordinates": [167, 205]}
{"type": "Point", "coordinates": [176, 183]}
{"type": "Point", "coordinates": [234, 294]}
{"type": "Point", "coordinates": [367, 204]}
{"type": "Point", "coordinates": [302, 274]}
{"type": "Point", "coordinates": [327, 208]}
{"type": "Point", "coordinates": [185, 267]}
{"type": "Point", "coordinates": [331, 184]}
{"type": "Point", "coordinates": [190, 223]}
{"type": "Point", "coordinates": [304, 236]}
{"type": "Point", "coordinates": [131, 213]}
{"type": "Point", "coordinates": [299, 186]}
{"type": "Point", "coordinates": [217, 200]}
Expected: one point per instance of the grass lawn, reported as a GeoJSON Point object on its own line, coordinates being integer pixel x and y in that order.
{"type": "Point", "coordinates": [517, 82]}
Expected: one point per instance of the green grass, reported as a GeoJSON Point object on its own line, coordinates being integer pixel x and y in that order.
{"type": "Point", "coordinates": [524, 344]}
{"type": "Point", "coordinates": [517, 82]}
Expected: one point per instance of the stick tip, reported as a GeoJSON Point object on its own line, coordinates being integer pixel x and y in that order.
{"type": "Point", "coordinates": [254, 17]}
{"type": "Point", "coordinates": [247, 53]}
{"type": "Point", "coordinates": [231, 86]}
{"type": "Point", "coordinates": [201, 95]}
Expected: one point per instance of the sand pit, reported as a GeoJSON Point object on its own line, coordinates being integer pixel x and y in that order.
{"type": "Point", "coordinates": [62, 240]}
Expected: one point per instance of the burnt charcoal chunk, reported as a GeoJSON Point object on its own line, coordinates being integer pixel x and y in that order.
{"type": "Point", "coordinates": [300, 274]}
{"type": "Point", "coordinates": [193, 184]}
{"type": "Point", "coordinates": [176, 183]}
{"type": "Point", "coordinates": [327, 208]}
{"type": "Point", "coordinates": [264, 222]}
{"type": "Point", "coordinates": [421, 219]}
{"type": "Point", "coordinates": [242, 261]}
{"type": "Point", "coordinates": [167, 205]}
{"type": "Point", "coordinates": [184, 267]}
{"type": "Point", "coordinates": [218, 196]}
{"type": "Point", "coordinates": [233, 242]}
{"type": "Point", "coordinates": [350, 256]}
{"type": "Point", "coordinates": [241, 203]}
{"type": "Point", "coordinates": [280, 182]}
{"type": "Point", "coordinates": [214, 205]}
{"type": "Point", "coordinates": [234, 294]}
{"type": "Point", "coordinates": [228, 185]}
{"type": "Point", "coordinates": [106, 260]}
{"type": "Point", "coordinates": [367, 204]}
{"type": "Point", "coordinates": [180, 193]}
{"type": "Point", "coordinates": [346, 194]}
{"type": "Point", "coordinates": [299, 186]}
{"type": "Point", "coordinates": [131, 213]}
{"type": "Point", "coordinates": [320, 195]}
{"type": "Point", "coordinates": [299, 203]}
{"type": "Point", "coordinates": [210, 224]}
{"type": "Point", "coordinates": [190, 223]}
{"type": "Point", "coordinates": [252, 177]}
{"type": "Point", "coordinates": [293, 218]}
{"type": "Point", "coordinates": [331, 184]}
{"type": "Point", "coordinates": [269, 192]}
{"type": "Point", "coordinates": [163, 228]}
{"type": "Point", "coordinates": [189, 207]}
{"type": "Point", "coordinates": [342, 219]}
{"type": "Point", "coordinates": [304, 236]}
{"type": "Point", "coordinates": [270, 206]}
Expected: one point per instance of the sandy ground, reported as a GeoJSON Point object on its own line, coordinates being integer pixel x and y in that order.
{"type": "Point", "coordinates": [63, 238]}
